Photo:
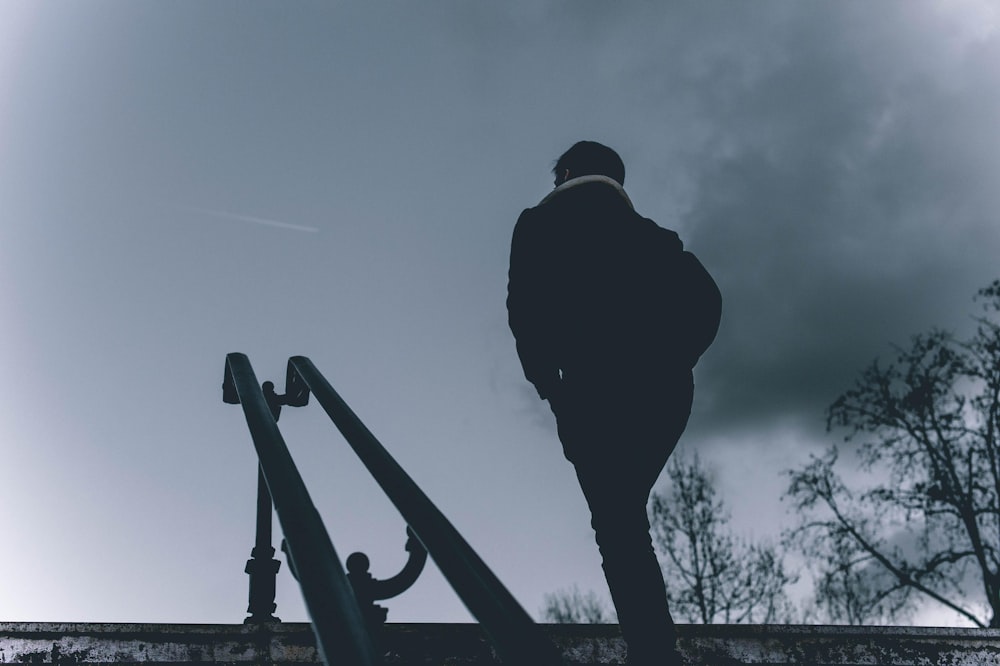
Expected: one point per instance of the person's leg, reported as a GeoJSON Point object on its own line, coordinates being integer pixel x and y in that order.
{"type": "Point", "coordinates": [619, 447]}
{"type": "Point", "coordinates": [618, 515]}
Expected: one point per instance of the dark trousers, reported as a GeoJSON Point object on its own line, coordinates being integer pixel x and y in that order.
{"type": "Point", "coordinates": [619, 440]}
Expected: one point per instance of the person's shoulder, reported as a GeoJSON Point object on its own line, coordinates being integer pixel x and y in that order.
{"type": "Point", "coordinates": [527, 218]}
{"type": "Point", "coordinates": [530, 226]}
{"type": "Point", "coordinates": [664, 239]}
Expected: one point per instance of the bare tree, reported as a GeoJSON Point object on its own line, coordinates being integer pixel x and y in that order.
{"type": "Point", "coordinates": [712, 575]}
{"type": "Point", "coordinates": [851, 585]}
{"type": "Point", "coordinates": [575, 607]}
{"type": "Point", "coordinates": [928, 524]}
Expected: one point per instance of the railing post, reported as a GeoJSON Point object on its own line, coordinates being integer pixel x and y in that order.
{"type": "Point", "coordinates": [368, 589]}
{"type": "Point", "coordinates": [262, 567]}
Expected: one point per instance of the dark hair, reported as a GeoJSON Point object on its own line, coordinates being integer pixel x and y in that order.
{"type": "Point", "coordinates": [589, 158]}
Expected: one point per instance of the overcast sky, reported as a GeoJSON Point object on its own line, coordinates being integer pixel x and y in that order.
{"type": "Point", "coordinates": [182, 180]}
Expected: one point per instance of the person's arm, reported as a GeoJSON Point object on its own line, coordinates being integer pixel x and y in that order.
{"type": "Point", "coordinates": [528, 309]}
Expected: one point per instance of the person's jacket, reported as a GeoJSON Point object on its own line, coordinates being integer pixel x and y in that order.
{"type": "Point", "coordinates": [598, 292]}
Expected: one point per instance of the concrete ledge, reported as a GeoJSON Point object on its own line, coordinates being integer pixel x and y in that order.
{"type": "Point", "coordinates": [78, 644]}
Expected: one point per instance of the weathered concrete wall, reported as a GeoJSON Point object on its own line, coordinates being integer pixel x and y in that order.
{"type": "Point", "coordinates": [459, 644]}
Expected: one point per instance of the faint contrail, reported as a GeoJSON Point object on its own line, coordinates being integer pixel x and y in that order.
{"type": "Point", "coordinates": [255, 220]}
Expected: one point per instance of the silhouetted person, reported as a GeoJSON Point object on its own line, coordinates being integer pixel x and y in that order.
{"type": "Point", "coordinates": [610, 315]}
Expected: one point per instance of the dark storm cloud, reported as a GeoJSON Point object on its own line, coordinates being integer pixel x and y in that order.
{"type": "Point", "coordinates": [840, 190]}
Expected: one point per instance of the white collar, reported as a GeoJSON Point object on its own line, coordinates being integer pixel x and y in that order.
{"type": "Point", "coordinates": [581, 180]}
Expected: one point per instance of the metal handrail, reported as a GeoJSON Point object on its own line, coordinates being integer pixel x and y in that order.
{"type": "Point", "coordinates": [341, 634]}
{"type": "Point", "coordinates": [515, 636]}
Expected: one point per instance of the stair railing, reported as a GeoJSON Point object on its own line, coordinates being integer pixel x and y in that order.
{"type": "Point", "coordinates": [513, 634]}
{"type": "Point", "coordinates": [341, 634]}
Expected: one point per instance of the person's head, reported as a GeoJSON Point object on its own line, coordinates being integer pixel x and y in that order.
{"type": "Point", "coordinates": [589, 158]}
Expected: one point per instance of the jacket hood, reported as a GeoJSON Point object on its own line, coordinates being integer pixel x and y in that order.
{"type": "Point", "coordinates": [583, 180]}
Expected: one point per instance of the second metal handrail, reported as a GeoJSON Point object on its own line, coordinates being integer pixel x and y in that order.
{"type": "Point", "coordinates": [516, 638]}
